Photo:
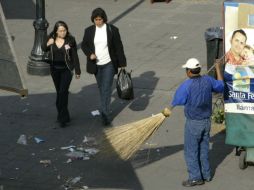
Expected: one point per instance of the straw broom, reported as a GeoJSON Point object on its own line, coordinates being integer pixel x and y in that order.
{"type": "Point", "coordinates": [126, 140]}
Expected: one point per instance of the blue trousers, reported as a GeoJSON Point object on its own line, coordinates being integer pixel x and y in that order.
{"type": "Point", "coordinates": [104, 77]}
{"type": "Point", "coordinates": [196, 148]}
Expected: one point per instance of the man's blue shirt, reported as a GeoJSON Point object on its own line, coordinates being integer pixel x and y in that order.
{"type": "Point", "coordinates": [196, 95]}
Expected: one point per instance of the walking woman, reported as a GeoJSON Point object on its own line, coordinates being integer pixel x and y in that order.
{"type": "Point", "coordinates": [105, 54]}
{"type": "Point", "coordinates": [63, 58]}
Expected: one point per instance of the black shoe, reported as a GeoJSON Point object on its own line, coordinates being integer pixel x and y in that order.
{"type": "Point", "coordinates": [59, 121]}
{"type": "Point", "coordinates": [105, 120]}
{"type": "Point", "coordinates": [190, 183]}
{"type": "Point", "coordinates": [107, 123]}
{"type": "Point", "coordinates": [208, 179]}
{"type": "Point", "coordinates": [64, 124]}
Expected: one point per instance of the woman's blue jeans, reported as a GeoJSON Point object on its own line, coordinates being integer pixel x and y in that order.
{"type": "Point", "coordinates": [104, 77]}
{"type": "Point", "coordinates": [196, 148]}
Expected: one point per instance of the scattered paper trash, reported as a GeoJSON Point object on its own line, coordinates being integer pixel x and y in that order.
{"type": "Point", "coordinates": [58, 177]}
{"type": "Point", "coordinates": [173, 37]}
{"type": "Point", "coordinates": [92, 151]}
{"type": "Point", "coordinates": [45, 162]}
{"type": "Point", "coordinates": [38, 140]}
{"type": "Point", "coordinates": [69, 161]}
{"type": "Point", "coordinates": [51, 149]}
{"type": "Point", "coordinates": [69, 185]}
{"type": "Point", "coordinates": [24, 110]}
{"type": "Point", "coordinates": [89, 140]}
{"type": "Point", "coordinates": [95, 112]}
{"type": "Point", "coordinates": [151, 144]}
{"type": "Point", "coordinates": [22, 140]}
{"type": "Point", "coordinates": [75, 180]}
{"type": "Point", "coordinates": [80, 148]}
{"type": "Point", "coordinates": [76, 155]}
{"type": "Point", "coordinates": [86, 158]}
{"type": "Point", "coordinates": [67, 147]}
{"type": "Point", "coordinates": [85, 139]}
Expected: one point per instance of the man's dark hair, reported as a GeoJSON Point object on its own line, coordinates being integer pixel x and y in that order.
{"type": "Point", "coordinates": [241, 32]}
{"type": "Point", "coordinates": [99, 12]}
{"type": "Point", "coordinates": [194, 71]}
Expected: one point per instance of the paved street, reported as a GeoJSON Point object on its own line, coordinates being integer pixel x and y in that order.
{"type": "Point", "coordinates": [158, 38]}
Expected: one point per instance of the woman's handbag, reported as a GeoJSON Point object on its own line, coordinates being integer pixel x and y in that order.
{"type": "Point", "coordinates": [124, 85]}
{"type": "Point", "coordinates": [48, 56]}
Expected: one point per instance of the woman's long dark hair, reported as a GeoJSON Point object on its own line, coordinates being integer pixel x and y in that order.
{"type": "Point", "coordinates": [59, 23]}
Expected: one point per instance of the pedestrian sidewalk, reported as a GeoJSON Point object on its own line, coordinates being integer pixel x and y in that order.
{"type": "Point", "coordinates": [158, 38]}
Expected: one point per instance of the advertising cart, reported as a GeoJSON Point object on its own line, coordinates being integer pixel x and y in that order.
{"type": "Point", "coordinates": [239, 77]}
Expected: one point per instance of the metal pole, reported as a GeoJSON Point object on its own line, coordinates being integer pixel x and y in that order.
{"type": "Point", "coordinates": [37, 64]}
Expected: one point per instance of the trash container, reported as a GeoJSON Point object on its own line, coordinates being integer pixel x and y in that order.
{"type": "Point", "coordinates": [214, 46]}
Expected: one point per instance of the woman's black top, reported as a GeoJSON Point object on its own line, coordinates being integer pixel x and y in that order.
{"type": "Point", "coordinates": [59, 57]}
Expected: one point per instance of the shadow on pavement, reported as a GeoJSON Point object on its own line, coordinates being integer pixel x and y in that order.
{"type": "Point", "coordinates": [18, 9]}
{"type": "Point", "coordinates": [144, 85]}
{"type": "Point", "coordinates": [148, 156]}
{"type": "Point", "coordinates": [217, 154]}
{"type": "Point", "coordinates": [160, 1]}
{"type": "Point", "coordinates": [35, 116]}
{"type": "Point", "coordinates": [123, 14]}
{"type": "Point", "coordinates": [219, 151]}
{"type": "Point", "coordinates": [11, 77]}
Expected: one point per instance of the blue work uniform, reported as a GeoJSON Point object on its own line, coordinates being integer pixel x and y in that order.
{"type": "Point", "coordinates": [196, 95]}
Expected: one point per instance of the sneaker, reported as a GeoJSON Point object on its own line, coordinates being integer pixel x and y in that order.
{"type": "Point", "coordinates": [190, 183]}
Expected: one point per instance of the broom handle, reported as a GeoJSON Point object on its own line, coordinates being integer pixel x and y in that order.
{"type": "Point", "coordinates": [218, 60]}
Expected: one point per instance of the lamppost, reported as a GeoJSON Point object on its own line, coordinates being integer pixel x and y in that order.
{"type": "Point", "coordinates": [37, 64]}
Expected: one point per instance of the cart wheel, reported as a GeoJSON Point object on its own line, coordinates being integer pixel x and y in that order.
{"type": "Point", "coordinates": [242, 163]}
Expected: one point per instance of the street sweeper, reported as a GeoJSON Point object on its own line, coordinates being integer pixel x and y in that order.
{"type": "Point", "coordinates": [195, 94]}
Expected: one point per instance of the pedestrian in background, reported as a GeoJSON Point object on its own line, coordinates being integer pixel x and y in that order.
{"type": "Point", "coordinates": [105, 54]}
{"type": "Point", "coordinates": [195, 94]}
{"type": "Point", "coordinates": [63, 58]}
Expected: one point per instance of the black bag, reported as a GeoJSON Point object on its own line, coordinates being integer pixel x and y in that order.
{"type": "Point", "coordinates": [124, 85]}
{"type": "Point", "coordinates": [47, 56]}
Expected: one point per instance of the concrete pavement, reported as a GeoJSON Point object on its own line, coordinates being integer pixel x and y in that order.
{"type": "Point", "coordinates": [155, 56]}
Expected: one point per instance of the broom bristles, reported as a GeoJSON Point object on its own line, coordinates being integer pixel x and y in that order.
{"type": "Point", "coordinates": [126, 140]}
